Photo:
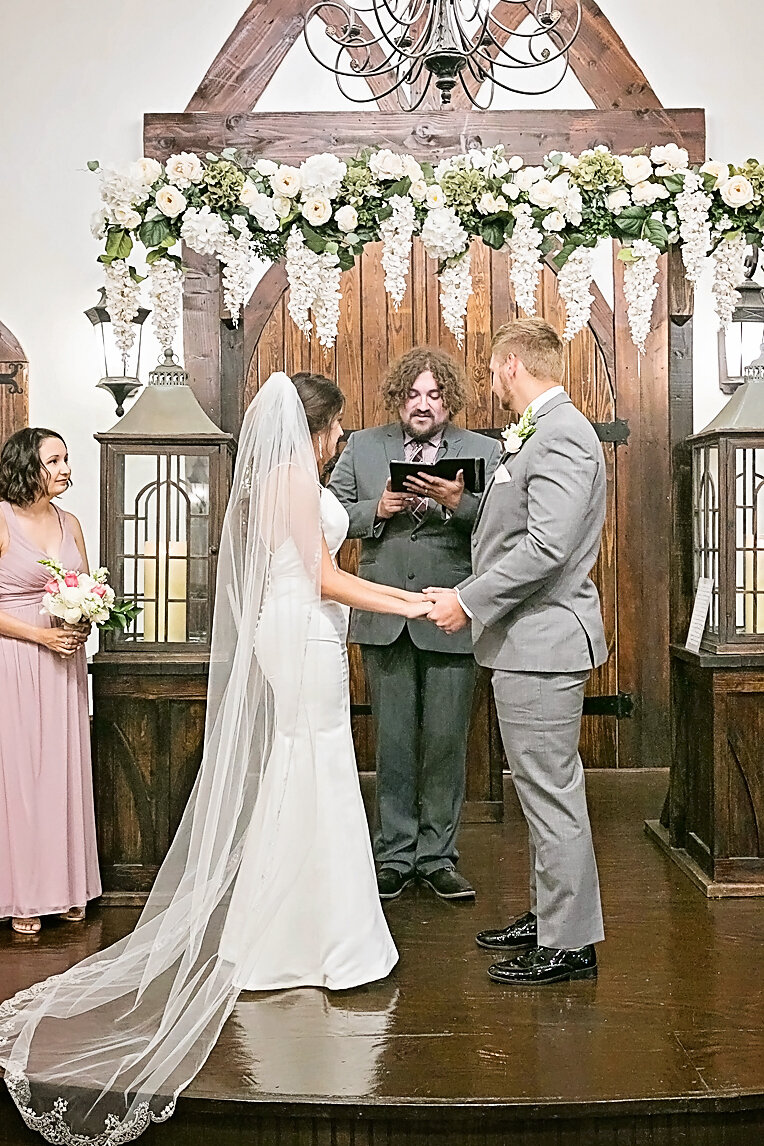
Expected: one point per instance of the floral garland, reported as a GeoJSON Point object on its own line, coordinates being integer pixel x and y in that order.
{"type": "Point", "coordinates": [321, 215]}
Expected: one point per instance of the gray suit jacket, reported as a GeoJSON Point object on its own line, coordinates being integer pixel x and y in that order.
{"type": "Point", "coordinates": [398, 551]}
{"type": "Point", "coordinates": [535, 542]}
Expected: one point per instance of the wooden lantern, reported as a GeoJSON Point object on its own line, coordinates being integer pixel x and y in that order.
{"type": "Point", "coordinates": [165, 478]}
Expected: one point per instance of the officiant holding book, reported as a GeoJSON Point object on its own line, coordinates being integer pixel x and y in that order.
{"type": "Point", "coordinates": [421, 679]}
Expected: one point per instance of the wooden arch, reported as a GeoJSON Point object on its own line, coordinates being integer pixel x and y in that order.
{"type": "Point", "coordinates": [14, 384]}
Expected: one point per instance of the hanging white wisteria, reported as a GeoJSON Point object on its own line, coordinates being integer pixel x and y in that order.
{"type": "Point", "coordinates": [321, 215]}
{"type": "Point", "coordinates": [166, 293]}
{"type": "Point", "coordinates": [640, 288]}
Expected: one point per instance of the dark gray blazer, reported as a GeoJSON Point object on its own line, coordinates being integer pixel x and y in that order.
{"type": "Point", "coordinates": [399, 552]}
{"type": "Point", "coordinates": [536, 539]}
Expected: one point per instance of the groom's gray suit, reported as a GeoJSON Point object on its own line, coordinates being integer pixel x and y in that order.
{"type": "Point", "coordinates": [537, 624]}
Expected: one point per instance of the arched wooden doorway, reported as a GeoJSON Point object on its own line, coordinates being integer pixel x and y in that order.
{"type": "Point", "coordinates": [14, 385]}
{"type": "Point", "coordinates": [371, 334]}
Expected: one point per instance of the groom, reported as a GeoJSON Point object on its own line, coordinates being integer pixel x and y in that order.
{"type": "Point", "coordinates": [536, 623]}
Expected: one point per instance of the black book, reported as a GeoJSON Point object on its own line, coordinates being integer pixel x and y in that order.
{"type": "Point", "coordinates": [448, 468]}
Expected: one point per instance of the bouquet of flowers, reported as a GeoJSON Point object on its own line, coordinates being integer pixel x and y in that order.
{"type": "Point", "coordinates": [82, 598]}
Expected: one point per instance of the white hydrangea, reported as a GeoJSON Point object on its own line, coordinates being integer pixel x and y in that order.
{"type": "Point", "coordinates": [573, 283]}
{"type": "Point", "coordinates": [203, 230]}
{"type": "Point", "coordinates": [320, 176]}
{"type": "Point", "coordinates": [443, 235]}
{"type": "Point", "coordinates": [640, 288]}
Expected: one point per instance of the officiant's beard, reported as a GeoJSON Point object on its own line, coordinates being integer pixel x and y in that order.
{"type": "Point", "coordinates": [425, 427]}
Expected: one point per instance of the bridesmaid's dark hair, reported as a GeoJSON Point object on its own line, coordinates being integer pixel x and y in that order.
{"type": "Point", "coordinates": [322, 400]}
{"type": "Point", "coordinates": [22, 473]}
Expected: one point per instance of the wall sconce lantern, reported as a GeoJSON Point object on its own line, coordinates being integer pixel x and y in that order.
{"type": "Point", "coordinates": [121, 385]}
{"type": "Point", "coordinates": [740, 343]}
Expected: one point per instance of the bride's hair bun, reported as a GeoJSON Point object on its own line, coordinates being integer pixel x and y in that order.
{"type": "Point", "coordinates": [322, 400]}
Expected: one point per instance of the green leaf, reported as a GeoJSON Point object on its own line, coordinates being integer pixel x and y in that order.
{"type": "Point", "coordinates": [154, 256]}
{"type": "Point", "coordinates": [135, 276]}
{"type": "Point", "coordinates": [107, 260]}
{"type": "Point", "coordinates": [331, 247]}
{"type": "Point", "coordinates": [118, 243]}
{"type": "Point", "coordinates": [548, 243]}
{"type": "Point", "coordinates": [492, 232]}
{"type": "Point", "coordinates": [400, 188]}
{"type": "Point", "coordinates": [314, 241]}
{"type": "Point", "coordinates": [384, 212]}
{"type": "Point", "coordinates": [93, 164]}
{"type": "Point", "coordinates": [655, 232]}
{"type": "Point", "coordinates": [555, 158]}
{"type": "Point", "coordinates": [153, 232]}
{"type": "Point", "coordinates": [674, 183]}
{"type": "Point", "coordinates": [229, 153]}
{"type": "Point", "coordinates": [626, 255]}
{"type": "Point", "coordinates": [428, 171]}
{"type": "Point", "coordinates": [347, 258]}
{"type": "Point", "coordinates": [631, 220]}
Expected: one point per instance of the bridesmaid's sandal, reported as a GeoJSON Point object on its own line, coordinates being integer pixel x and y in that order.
{"type": "Point", "coordinates": [27, 925]}
{"type": "Point", "coordinates": [73, 915]}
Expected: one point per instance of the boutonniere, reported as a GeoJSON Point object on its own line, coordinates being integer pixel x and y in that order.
{"type": "Point", "coordinates": [514, 436]}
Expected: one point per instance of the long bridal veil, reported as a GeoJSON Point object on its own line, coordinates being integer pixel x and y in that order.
{"type": "Point", "coordinates": [98, 1053]}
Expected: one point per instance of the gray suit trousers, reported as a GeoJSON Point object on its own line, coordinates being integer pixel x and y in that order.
{"type": "Point", "coordinates": [540, 720]}
{"type": "Point", "coordinates": [421, 702]}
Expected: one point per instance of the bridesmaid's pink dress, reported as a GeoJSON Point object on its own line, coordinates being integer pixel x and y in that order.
{"type": "Point", "coordinates": [48, 857]}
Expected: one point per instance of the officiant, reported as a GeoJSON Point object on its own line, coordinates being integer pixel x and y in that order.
{"type": "Point", "coordinates": [421, 680]}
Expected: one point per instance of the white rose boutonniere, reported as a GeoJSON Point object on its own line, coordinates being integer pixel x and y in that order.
{"type": "Point", "coordinates": [514, 436]}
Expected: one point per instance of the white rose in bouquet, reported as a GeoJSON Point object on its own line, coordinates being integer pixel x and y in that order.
{"type": "Point", "coordinates": [248, 193]}
{"type": "Point", "coordinates": [648, 192]}
{"type": "Point", "coordinates": [515, 162]}
{"type": "Point", "coordinates": [317, 210]}
{"type": "Point", "coordinates": [418, 190]}
{"type": "Point", "coordinates": [184, 169]}
{"type": "Point", "coordinates": [126, 217]}
{"type": "Point", "coordinates": [286, 181]}
{"type": "Point", "coordinates": [617, 200]}
{"type": "Point", "coordinates": [554, 221]}
{"type": "Point", "coordinates": [99, 221]}
{"type": "Point", "coordinates": [636, 168]}
{"type": "Point", "coordinates": [282, 205]}
{"type": "Point", "coordinates": [542, 194]}
{"type": "Point", "coordinates": [346, 218]}
{"type": "Point", "coordinates": [511, 190]}
{"type": "Point", "coordinates": [720, 172]}
{"type": "Point", "coordinates": [526, 177]}
{"type": "Point", "coordinates": [435, 197]}
{"type": "Point", "coordinates": [490, 204]}
{"type": "Point", "coordinates": [266, 168]}
{"type": "Point", "coordinates": [670, 156]}
{"type": "Point", "coordinates": [737, 192]}
{"type": "Point", "coordinates": [412, 168]}
{"type": "Point", "coordinates": [145, 171]}
{"type": "Point", "coordinates": [385, 164]}
{"type": "Point", "coordinates": [263, 211]}
{"type": "Point", "coordinates": [322, 175]}
{"type": "Point", "coordinates": [170, 201]}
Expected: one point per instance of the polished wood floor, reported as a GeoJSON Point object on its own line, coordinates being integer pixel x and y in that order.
{"type": "Point", "coordinates": [667, 1046]}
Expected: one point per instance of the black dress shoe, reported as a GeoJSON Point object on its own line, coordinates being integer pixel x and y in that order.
{"type": "Point", "coordinates": [521, 933]}
{"type": "Point", "coordinates": [391, 882]}
{"type": "Point", "coordinates": [546, 965]}
{"type": "Point", "coordinates": [448, 884]}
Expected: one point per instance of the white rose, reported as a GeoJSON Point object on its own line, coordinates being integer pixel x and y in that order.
{"type": "Point", "coordinates": [317, 210]}
{"type": "Point", "coordinates": [542, 194]}
{"type": "Point", "coordinates": [644, 192]}
{"type": "Point", "coordinates": [266, 168]}
{"type": "Point", "coordinates": [98, 223]}
{"type": "Point", "coordinates": [478, 159]}
{"type": "Point", "coordinates": [515, 162]}
{"type": "Point", "coordinates": [554, 221]}
{"type": "Point", "coordinates": [184, 169]}
{"type": "Point", "coordinates": [126, 217]}
{"type": "Point", "coordinates": [170, 201]}
{"type": "Point", "coordinates": [670, 156]}
{"type": "Point", "coordinates": [321, 175]}
{"type": "Point", "coordinates": [145, 172]}
{"type": "Point", "coordinates": [512, 441]}
{"type": "Point", "coordinates": [736, 192]}
{"type": "Point", "coordinates": [282, 205]}
{"type": "Point", "coordinates": [418, 190]}
{"type": "Point", "coordinates": [286, 181]}
{"type": "Point", "coordinates": [511, 190]}
{"type": "Point", "coordinates": [412, 168]}
{"type": "Point", "coordinates": [346, 218]}
{"type": "Point", "coordinates": [720, 171]}
{"type": "Point", "coordinates": [261, 207]}
{"type": "Point", "coordinates": [617, 200]}
{"type": "Point", "coordinates": [636, 168]}
{"type": "Point", "coordinates": [436, 196]}
{"type": "Point", "coordinates": [386, 164]}
{"type": "Point", "coordinates": [248, 194]}
{"type": "Point", "coordinates": [528, 176]}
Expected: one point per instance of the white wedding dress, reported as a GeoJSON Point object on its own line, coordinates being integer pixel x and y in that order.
{"type": "Point", "coordinates": [325, 925]}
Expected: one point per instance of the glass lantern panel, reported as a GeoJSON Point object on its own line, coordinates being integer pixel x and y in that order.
{"type": "Point", "coordinates": [705, 522]}
{"type": "Point", "coordinates": [749, 541]}
{"type": "Point", "coordinates": [165, 507]}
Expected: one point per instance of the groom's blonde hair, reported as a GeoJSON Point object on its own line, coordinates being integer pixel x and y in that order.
{"type": "Point", "coordinates": [537, 345]}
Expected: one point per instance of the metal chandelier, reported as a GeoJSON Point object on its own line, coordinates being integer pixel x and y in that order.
{"type": "Point", "coordinates": [405, 45]}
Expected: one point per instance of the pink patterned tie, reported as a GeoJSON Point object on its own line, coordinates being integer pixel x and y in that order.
{"type": "Point", "coordinates": [419, 507]}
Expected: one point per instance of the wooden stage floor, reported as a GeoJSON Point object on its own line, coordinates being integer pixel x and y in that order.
{"type": "Point", "coordinates": [667, 1046]}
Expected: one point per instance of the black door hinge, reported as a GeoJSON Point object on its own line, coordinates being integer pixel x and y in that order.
{"type": "Point", "coordinates": [621, 705]}
{"type": "Point", "coordinates": [616, 432]}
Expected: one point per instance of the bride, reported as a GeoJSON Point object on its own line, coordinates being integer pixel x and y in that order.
{"type": "Point", "coordinates": [269, 882]}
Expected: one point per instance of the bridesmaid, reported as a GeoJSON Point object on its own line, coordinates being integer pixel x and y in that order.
{"type": "Point", "coordinates": [48, 858]}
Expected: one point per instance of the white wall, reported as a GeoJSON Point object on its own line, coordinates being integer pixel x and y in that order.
{"type": "Point", "coordinates": [78, 75]}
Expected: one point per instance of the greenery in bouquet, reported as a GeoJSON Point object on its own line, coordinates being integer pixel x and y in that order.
{"type": "Point", "coordinates": [77, 598]}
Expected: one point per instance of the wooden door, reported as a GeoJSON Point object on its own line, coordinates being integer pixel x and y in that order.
{"type": "Point", "coordinates": [14, 385]}
{"type": "Point", "coordinates": [372, 334]}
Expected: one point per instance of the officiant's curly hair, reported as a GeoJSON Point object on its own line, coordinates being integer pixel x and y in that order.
{"type": "Point", "coordinates": [23, 476]}
{"type": "Point", "coordinates": [446, 371]}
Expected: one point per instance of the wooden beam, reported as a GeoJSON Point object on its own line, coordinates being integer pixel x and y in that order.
{"type": "Point", "coordinates": [248, 60]}
{"type": "Point", "coordinates": [293, 136]}
{"type": "Point", "coordinates": [10, 347]}
{"type": "Point", "coordinates": [378, 85]}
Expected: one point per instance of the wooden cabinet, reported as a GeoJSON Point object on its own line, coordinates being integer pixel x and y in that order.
{"type": "Point", "coordinates": [715, 826]}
